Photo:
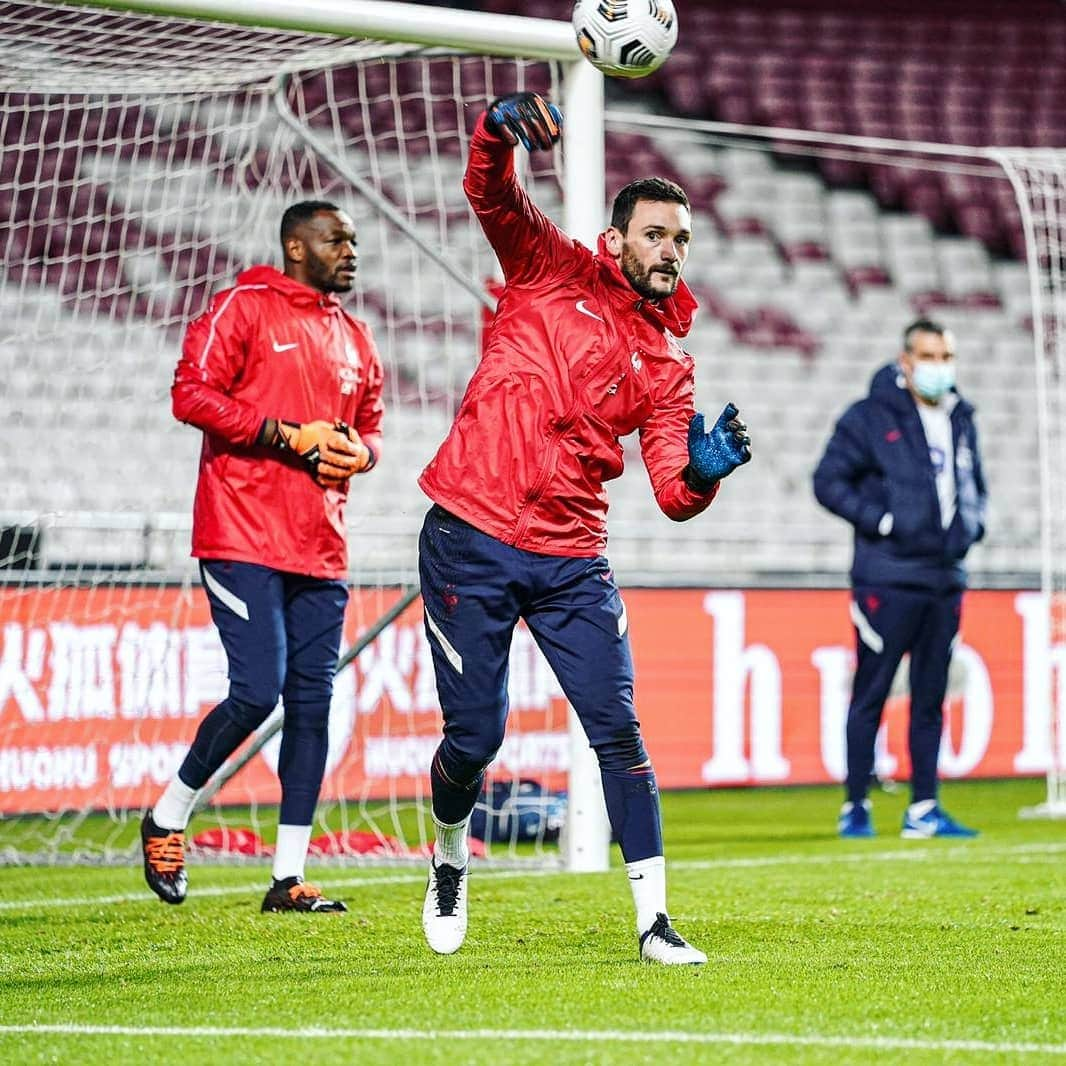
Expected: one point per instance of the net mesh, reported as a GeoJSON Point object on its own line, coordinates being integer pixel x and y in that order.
{"type": "Point", "coordinates": [144, 162]}
{"type": "Point", "coordinates": [54, 47]}
{"type": "Point", "coordinates": [852, 275]}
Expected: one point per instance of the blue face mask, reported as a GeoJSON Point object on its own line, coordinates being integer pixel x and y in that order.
{"type": "Point", "coordinates": [933, 380]}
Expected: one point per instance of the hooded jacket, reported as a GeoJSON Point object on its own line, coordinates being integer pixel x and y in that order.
{"type": "Point", "coordinates": [876, 462]}
{"type": "Point", "coordinates": [271, 347]}
{"type": "Point", "coordinates": [574, 360]}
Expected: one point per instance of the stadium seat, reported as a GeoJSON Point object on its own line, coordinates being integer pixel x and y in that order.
{"type": "Point", "coordinates": [805, 283]}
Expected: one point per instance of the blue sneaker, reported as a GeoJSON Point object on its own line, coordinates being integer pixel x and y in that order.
{"type": "Point", "coordinates": [855, 821]}
{"type": "Point", "coordinates": [933, 822]}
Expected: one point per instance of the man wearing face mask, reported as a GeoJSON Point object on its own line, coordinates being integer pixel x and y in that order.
{"type": "Point", "coordinates": [903, 467]}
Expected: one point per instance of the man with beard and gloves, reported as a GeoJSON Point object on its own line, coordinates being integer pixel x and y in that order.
{"type": "Point", "coordinates": [582, 351]}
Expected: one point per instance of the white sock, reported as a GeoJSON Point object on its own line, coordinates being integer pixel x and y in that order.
{"type": "Point", "coordinates": [451, 848]}
{"type": "Point", "coordinates": [174, 808]}
{"type": "Point", "coordinates": [291, 852]}
{"type": "Point", "coordinates": [647, 879]}
{"type": "Point", "coordinates": [920, 809]}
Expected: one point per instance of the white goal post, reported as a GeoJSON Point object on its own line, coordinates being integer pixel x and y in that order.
{"type": "Point", "coordinates": [1038, 177]}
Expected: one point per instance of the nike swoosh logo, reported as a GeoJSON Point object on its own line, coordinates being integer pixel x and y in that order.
{"type": "Point", "coordinates": [636, 877]}
{"type": "Point", "coordinates": [284, 347]}
{"type": "Point", "coordinates": [580, 305]}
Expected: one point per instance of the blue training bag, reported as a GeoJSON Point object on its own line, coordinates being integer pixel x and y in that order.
{"type": "Point", "coordinates": [523, 810]}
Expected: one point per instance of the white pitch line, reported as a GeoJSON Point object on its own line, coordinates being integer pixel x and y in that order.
{"type": "Point", "coordinates": [876, 1043]}
{"type": "Point", "coordinates": [216, 890]}
{"type": "Point", "coordinates": [917, 853]}
{"type": "Point", "coordinates": [236, 890]}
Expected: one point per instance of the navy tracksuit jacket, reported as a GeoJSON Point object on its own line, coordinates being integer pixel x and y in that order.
{"type": "Point", "coordinates": [907, 585]}
{"type": "Point", "coordinates": [877, 461]}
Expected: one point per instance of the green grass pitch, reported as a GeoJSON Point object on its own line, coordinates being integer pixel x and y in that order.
{"type": "Point", "coordinates": [821, 951]}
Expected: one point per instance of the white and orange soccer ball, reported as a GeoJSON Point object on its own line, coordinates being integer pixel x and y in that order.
{"type": "Point", "coordinates": [625, 38]}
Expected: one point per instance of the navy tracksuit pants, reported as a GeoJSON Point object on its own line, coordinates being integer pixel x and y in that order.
{"type": "Point", "coordinates": [475, 589]}
{"type": "Point", "coordinates": [890, 622]}
{"type": "Point", "coordinates": [282, 636]}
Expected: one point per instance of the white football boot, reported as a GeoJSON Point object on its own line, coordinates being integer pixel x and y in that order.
{"type": "Point", "coordinates": [663, 944]}
{"type": "Point", "coordinates": [444, 912]}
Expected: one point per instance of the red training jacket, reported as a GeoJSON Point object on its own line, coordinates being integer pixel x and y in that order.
{"type": "Point", "coordinates": [271, 347]}
{"type": "Point", "coordinates": [575, 359]}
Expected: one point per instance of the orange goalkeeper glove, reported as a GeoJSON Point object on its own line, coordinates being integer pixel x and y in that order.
{"type": "Point", "coordinates": [332, 451]}
{"type": "Point", "coordinates": [366, 458]}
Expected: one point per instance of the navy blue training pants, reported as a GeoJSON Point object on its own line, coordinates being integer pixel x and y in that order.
{"type": "Point", "coordinates": [475, 589]}
{"type": "Point", "coordinates": [889, 622]}
{"type": "Point", "coordinates": [282, 636]}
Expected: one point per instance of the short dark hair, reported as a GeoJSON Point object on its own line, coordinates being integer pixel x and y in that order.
{"type": "Point", "coordinates": [304, 211]}
{"type": "Point", "coordinates": [921, 325]}
{"type": "Point", "coordinates": [657, 190]}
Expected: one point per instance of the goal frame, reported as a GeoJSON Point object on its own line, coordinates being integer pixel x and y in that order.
{"type": "Point", "coordinates": [586, 837]}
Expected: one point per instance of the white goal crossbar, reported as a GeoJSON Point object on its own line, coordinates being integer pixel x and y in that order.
{"type": "Point", "coordinates": [468, 31]}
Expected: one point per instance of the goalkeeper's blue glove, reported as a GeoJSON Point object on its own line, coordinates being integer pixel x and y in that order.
{"type": "Point", "coordinates": [713, 455]}
{"type": "Point", "coordinates": [526, 119]}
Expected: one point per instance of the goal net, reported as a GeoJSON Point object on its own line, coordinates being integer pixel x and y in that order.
{"type": "Point", "coordinates": [145, 160]}
{"type": "Point", "coordinates": [811, 252]}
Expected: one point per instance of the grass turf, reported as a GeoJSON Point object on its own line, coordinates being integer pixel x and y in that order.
{"type": "Point", "coordinates": [958, 948]}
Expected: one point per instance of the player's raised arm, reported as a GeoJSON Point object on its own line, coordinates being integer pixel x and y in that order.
{"type": "Point", "coordinates": [527, 243]}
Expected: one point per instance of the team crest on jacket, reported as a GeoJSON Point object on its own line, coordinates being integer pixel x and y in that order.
{"type": "Point", "coordinates": [350, 374]}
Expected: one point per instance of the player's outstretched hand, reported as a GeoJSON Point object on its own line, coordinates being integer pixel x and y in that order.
{"type": "Point", "coordinates": [713, 455]}
{"type": "Point", "coordinates": [328, 448]}
{"type": "Point", "coordinates": [526, 119]}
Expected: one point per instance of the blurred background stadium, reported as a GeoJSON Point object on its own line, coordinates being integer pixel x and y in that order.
{"type": "Point", "coordinates": [806, 269]}
{"type": "Point", "coordinates": [143, 163]}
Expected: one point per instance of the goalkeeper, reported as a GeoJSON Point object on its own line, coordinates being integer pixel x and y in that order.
{"type": "Point", "coordinates": [286, 387]}
{"type": "Point", "coordinates": [581, 352]}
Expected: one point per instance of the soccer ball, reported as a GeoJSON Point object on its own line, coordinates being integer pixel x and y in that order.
{"type": "Point", "coordinates": [625, 38]}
